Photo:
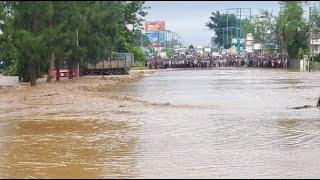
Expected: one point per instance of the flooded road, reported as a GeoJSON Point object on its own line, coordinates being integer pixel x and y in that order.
{"type": "Point", "coordinates": [220, 123]}
{"type": "Point", "coordinates": [8, 80]}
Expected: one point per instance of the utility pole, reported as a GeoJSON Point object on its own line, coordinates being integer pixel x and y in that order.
{"type": "Point", "coordinates": [1, 26]}
{"type": "Point", "coordinates": [77, 37]}
{"type": "Point", "coordinates": [165, 38]}
{"type": "Point", "coordinates": [78, 65]}
{"type": "Point", "coordinates": [310, 38]}
{"type": "Point", "coordinates": [222, 37]}
{"type": "Point", "coordinates": [158, 32]}
{"type": "Point", "coordinates": [141, 36]}
{"type": "Point", "coordinates": [240, 14]}
{"type": "Point", "coordinates": [171, 39]}
{"type": "Point", "coordinates": [227, 25]}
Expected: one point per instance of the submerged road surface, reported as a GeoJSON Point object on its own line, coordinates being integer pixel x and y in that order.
{"type": "Point", "coordinates": [220, 123]}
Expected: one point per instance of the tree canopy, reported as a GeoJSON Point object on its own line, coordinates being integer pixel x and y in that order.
{"type": "Point", "coordinates": [218, 23]}
{"type": "Point", "coordinates": [37, 35]}
{"type": "Point", "coordinates": [289, 29]}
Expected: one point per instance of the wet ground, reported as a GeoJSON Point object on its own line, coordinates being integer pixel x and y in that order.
{"type": "Point", "coordinates": [219, 123]}
{"type": "Point", "coordinates": [8, 80]}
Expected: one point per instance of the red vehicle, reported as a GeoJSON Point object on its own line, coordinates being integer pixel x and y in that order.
{"type": "Point", "coordinates": [64, 71]}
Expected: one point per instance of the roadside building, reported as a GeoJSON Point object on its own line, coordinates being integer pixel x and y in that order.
{"type": "Point", "coordinates": [315, 44]}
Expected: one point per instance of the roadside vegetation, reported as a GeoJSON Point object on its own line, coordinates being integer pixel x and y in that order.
{"type": "Point", "coordinates": [289, 30]}
{"type": "Point", "coordinates": [38, 35]}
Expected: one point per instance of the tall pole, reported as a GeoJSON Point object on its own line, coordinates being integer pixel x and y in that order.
{"type": "Point", "coordinates": [251, 24]}
{"type": "Point", "coordinates": [158, 43]}
{"type": "Point", "coordinates": [166, 38]}
{"type": "Point", "coordinates": [237, 29]}
{"type": "Point", "coordinates": [141, 37]}
{"type": "Point", "coordinates": [169, 40]}
{"type": "Point", "coordinates": [251, 30]}
{"type": "Point", "coordinates": [77, 32]}
{"type": "Point", "coordinates": [1, 26]}
{"type": "Point", "coordinates": [310, 38]}
{"type": "Point", "coordinates": [223, 38]}
{"type": "Point", "coordinates": [78, 68]}
{"type": "Point", "coordinates": [171, 36]}
{"type": "Point", "coordinates": [227, 42]}
{"type": "Point", "coordinates": [240, 30]}
{"type": "Point", "coordinates": [312, 26]}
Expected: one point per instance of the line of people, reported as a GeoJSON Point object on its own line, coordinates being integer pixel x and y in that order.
{"type": "Point", "coordinates": [185, 61]}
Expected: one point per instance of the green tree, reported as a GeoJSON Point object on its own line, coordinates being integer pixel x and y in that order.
{"type": "Point", "coordinates": [218, 24]}
{"type": "Point", "coordinates": [170, 52]}
{"type": "Point", "coordinates": [301, 53]}
{"type": "Point", "coordinates": [140, 38]}
{"type": "Point", "coordinates": [134, 12]}
{"type": "Point", "coordinates": [29, 23]}
{"type": "Point", "coordinates": [291, 28]}
{"type": "Point", "coordinates": [246, 26]}
{"type": "Point", "coordinates": [263, 26]}
{"type": "Point", "coordinates": [8, 52]}
{"type": "Point", "coordinates": [139, 55]}
{"type": "Point", "coordinates": [74, 32]}
{"type": "Point", "coordinates": [316, 17]}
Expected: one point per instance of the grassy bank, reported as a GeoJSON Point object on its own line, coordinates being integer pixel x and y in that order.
{"type": "Point", "coordinates": [138, 65]}
{"type": "Point", "coordinates": [315, 66]}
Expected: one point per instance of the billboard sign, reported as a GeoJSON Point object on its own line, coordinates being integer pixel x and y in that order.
{"type": "Point", "coordinates": [154, 36]}
{"type": "Point", "coordinates": [154, 26]}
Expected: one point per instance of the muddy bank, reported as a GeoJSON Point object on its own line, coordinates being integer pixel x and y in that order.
{"type": "Point", "coordinates": [80, 96]}
{"type": "Point", "coordinates": [83, 98]}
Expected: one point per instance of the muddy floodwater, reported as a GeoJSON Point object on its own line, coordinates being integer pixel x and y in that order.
{"type": "Point", "coordinates": [219, 123]}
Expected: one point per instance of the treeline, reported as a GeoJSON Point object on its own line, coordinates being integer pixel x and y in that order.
{"type": "Point", "coordinates": [38, 35]}
{"type": "Point", "coordinates": [289, 29]}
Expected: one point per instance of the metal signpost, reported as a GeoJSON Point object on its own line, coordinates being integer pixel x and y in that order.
{"type": "Point", "coordinates": [240, 14]}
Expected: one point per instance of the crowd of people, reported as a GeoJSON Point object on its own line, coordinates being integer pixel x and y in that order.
{"type": "Point", "coordinates": [198, 61]}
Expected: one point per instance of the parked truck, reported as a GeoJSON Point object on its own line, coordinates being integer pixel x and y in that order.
{"type": "Point", "coordinates": [118, 63]}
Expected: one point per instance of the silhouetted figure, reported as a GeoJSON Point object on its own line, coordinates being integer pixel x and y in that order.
{"type": "Point", "coordinates": [318, 104]}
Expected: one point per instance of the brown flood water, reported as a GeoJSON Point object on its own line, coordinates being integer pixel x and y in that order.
{"type": "Point", "coordinates": [220, 123]}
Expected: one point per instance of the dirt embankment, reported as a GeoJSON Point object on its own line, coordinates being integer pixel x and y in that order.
{"type": "Point", "coordinates": [82, 96]}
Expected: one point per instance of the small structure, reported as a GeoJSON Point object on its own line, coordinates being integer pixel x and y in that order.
{"type": "Point", "coordinates": [304, 66]}
{"type": "Point", "coordinates": [318, 104]}
{"type": "Point", "coordinates": [249, 43]}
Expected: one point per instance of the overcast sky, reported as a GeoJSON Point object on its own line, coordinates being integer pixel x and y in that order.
{"type": "Point", "coordinates": [188, 18]}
